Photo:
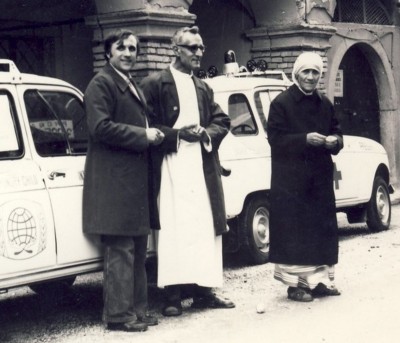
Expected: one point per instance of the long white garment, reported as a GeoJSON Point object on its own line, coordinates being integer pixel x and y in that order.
{"type": "Point", "coordinates": [188, 250]}
{"type": "Point", "coordinates": [305, 276]}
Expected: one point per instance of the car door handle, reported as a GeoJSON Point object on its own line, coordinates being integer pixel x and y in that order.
{"type": "Point", "coordinates": [55, 174]}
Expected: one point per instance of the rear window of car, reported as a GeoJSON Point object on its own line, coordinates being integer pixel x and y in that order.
{"type": "Point", "coordinates": [242, 117]}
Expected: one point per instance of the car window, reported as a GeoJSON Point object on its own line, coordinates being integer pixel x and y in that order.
{"type": "Point", "coordinates": [57, 121]}
{"type": "Point", "coordinates": [263, 100]}
{"type": "Point", "coordinates": [10, 132]}
{"type": "Point", "coordinates": [242, 118]}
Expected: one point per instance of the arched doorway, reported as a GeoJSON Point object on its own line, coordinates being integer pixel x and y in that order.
{"type": "Point", "coordinates": [356, 97]}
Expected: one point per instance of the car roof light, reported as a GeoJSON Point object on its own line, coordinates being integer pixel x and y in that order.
{"type": "Point", "coordinates": [212, 71]}
{"type": "Point", "coordinates": [9, 72]}
{"type": "Point", "coordinates": [253, 68]}
{"type": "Point", "coordinates": [230, 66]}
{"type": "Point", "coordinates": [201, 74]}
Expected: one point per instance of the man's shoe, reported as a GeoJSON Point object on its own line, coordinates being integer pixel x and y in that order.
{"type": "Point", "coordinates": [147, 319]}
{"type": "Point", "coordinates": [212, 301]}
{"type": "Point", "coordinates": [134, 326]}
{"type": "Point", "coordinates": [172, 310]}
{"type": "Point", "coordinates": [299, 294]}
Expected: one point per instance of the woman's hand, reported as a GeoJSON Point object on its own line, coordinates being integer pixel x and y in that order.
{"type": "Point", "coordinates": [316, 139]}
{"type": "Point", "coordinates": [331, 142]}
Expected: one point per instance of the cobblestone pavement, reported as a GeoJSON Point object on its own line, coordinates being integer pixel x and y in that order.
{"type": "Point", "coordinates": [368, 275]}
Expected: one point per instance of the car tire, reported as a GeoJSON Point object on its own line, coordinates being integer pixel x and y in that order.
{"type": "Point", "coordinates": [53, 288]}
{"type": "Point", "coordinates": [379, 209]}
{"type": "Point", "coordinates": [254, 226]}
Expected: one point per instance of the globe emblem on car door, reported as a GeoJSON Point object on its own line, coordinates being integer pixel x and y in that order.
{"type": "Point", "coordinates": [21, 230]}
{"type": "Point", "coordinates": [22, 234]}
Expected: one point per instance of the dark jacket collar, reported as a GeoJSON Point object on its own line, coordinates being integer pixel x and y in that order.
{"type": "Point", "coordinates": [166, 77]}
{"type": "Point", "coordinates": [120, 82]}
{"type": "Point", "coordinates": [299, 95]}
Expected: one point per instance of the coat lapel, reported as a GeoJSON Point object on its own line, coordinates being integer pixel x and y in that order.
{"type": "Point", "coordinates": [123, 84]}
{"type": "Point", "coordinates": [200, 88]}
{"type": "Point", "coordinates": [168, 80]}
{"type": "Point", "coordinates": [139, 92]}
{"type": "Point", "coordinates": [119, 81]}
{"type": "Point", "coordinates": [168, 83]}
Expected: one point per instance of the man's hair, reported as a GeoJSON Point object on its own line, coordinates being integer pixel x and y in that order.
{"type": "Point", "coordinates": [116, 36]}
{"type": "Point", "coordinates": [177, 37]}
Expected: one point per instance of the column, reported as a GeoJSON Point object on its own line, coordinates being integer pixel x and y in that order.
{"type": "Point", "coordinates": [153, 24]}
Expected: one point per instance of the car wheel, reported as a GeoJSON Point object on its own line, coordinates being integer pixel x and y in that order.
{"type": "Point", "coordinates": [379, 207]}
{"type": "Point", "coordinates": [53, 288]}
{"type": "Point", "coordinates": [254, 224]}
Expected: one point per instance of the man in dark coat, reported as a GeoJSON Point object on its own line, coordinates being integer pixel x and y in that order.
{"type": "Point", "coordinates": [303, 133]}
{"type": "Point", "coordinates": [187, 177]}
{"type": "Point", "coordinates": [115, 193]}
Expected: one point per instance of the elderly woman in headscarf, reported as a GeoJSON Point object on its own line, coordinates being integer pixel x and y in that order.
{"type": "Point", "coordinates": [303, 133]}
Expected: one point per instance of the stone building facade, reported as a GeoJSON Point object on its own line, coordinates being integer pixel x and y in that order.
{"type": "Point", "coordinates": [358, 40]}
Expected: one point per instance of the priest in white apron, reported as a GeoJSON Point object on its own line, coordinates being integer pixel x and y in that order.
{"type": "Point", "coordinates": [187, 177]}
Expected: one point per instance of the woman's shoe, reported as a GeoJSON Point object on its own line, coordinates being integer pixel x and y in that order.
{"type": "Point", "coordinates": [323, 291]}
{"type": "Point", "coordinates": [299, 294]}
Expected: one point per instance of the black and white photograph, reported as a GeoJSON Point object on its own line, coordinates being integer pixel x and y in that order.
{"type": "Point", "coordinates": [199, 171]}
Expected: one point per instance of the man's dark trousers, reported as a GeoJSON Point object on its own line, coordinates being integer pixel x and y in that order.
{"type": "Point", "coordinates": [125, 278]}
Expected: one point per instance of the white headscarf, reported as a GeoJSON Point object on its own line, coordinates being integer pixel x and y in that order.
{"type": "Point", "coordinates": [306, 60]}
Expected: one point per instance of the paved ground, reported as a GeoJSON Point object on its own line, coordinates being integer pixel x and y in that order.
{"type": "Point", "coordinates": [368, 275]}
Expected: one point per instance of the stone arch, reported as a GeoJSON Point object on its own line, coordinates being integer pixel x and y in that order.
{"type": "Point", "coordinates": [387, 95]}
{"type": "Point", "coordinates": [380, 66]}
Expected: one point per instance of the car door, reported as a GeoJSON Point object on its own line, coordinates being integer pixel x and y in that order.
{"type": "Point", "coordinates": [27, 236]}
{"type": "Point", "coordinates": [355, 166]}
{"type": "Point", "coordinates": [244, 151]}
{"type": "Point", "coordinates": [59, 136]}
{"type": "Point", "coordinates": [345, 177]}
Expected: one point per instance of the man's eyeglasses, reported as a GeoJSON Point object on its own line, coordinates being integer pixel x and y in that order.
{"type": "Point", "coordinates": [193, 48]}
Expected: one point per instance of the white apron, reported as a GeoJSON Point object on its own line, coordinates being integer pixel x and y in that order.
{"type": "Point", "coordinates": [188, 250]}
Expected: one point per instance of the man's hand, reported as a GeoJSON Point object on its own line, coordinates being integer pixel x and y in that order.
{"type": "Point", "coordinates": [203, 134]}
{"type": "Point", "coordinates": [190, 133]}
{"type": "Point", "coordinates": [315, 139]}
{"type": "Point", "coordinates": [154, 136]}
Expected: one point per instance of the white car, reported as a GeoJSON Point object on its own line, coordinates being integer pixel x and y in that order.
{"type": "Point", "coordinates": [43, 142]}
{"type": "Point", "coordinates": [361, 179]}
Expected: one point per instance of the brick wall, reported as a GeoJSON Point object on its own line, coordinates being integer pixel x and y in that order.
{"type": "Point", "coordinates": [284, 60]}
{"type": "Point", "coordinates": [154, 56]}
